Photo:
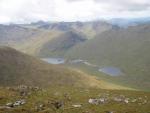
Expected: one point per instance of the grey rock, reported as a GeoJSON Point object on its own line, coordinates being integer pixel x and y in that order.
{"type": "Point", "coordinates": [97, 101]}
{"type": "Point", "coordinates": [77, 105]}
{"type": "Point", "coordinates": [10, 104]}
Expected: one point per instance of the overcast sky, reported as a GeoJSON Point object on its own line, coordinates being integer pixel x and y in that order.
{"type": "Point", "coordinates": [23, 11]}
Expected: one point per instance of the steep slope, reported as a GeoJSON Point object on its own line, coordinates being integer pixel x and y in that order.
{"type": "Point", "coordinates": [59, 45]}
{"type": "Point", "coordinates": [35, 43]}
{"type": "Point", "coordinates": [89, 29]}
{"type": "Point", "coordinates": [127, 49]}
{"type": "Point", "coordinates": [17, 68]}
{"type": "Point", "coordinates": [32, 38]}
{"type": "Point", "coordinates": [12, 34]}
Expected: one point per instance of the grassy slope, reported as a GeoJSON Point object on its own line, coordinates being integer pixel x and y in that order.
{"type": "Point", "coordinates": [127, 49]}
{"type": "Point", "coordinates": [34, 46]}
{"type": "Point", "coordinates": [18, 68]}
{"type": "Point", "coordinates": [60, 45]}
{"type": "Point", "coordinates": [26, 39]}
{"type": "Point", "coordinates": [77, 96]}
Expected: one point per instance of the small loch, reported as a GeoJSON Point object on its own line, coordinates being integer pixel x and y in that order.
{"type": "Point", "coordinates": [54, 60]}
{"type": "Point", "coordinates": [112, 71]}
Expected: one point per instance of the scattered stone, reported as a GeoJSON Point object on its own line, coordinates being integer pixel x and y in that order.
{"type": "Point", "coordinates": [134, 100]}
{"type": "Point", "coordinates": [77, 105]}
{"type": "Point", "coordinates": [121, 98]}
{"type": "Point", "coordinates": [57, 104]}
{"type": "Point", "coordinates": [118, 99]}
{"type": "Point", "coordinates": [40, 107]}
{"type": "Point", "coordinates": [10, 105]}
{"type": "Point", "coordinates": [144, 102]}
{"type": "Point", "coordinates": [126, 101]}
{"type": "Point", "coordinates": [109, 112]}
{"type": "Point", "coordinates": [97, 101]}
{"type": "Point", "coordinates": [19, 103]}
{"type": "Point", "coordinates": [23, 87]}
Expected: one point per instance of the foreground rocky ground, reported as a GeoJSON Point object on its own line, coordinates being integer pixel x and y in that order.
{"type": "Point", "coordinates": [60, 99]}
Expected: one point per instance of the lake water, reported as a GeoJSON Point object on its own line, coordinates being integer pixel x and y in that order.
{"type": "Point", "coordinates": [112, 71]}
{"type": "Point", "coordinates": [54, 60]}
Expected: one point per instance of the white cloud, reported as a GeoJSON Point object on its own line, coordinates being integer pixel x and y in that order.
{"type": "Point", "coordinates": [23, 11]}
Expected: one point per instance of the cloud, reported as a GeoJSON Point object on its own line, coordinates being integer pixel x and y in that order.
{"type": "Point", "coordinates": [23, 11]}
{"type": "Point", "coordinates": [127, 5]}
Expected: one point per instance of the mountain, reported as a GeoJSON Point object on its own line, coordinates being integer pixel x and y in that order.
{"type": "Point", "coordinates": [59, 45]}
{"type": "Point", "coordinates": [62, 26]}
{"type": "Point", "coordinates": [98, 42]}
{"type": "Point", "coordinates": [18, 68]}
{"type": "Point", "coordinates": [35, 38]}
{"type": "Point", "coordinates": [90, 29]}
{"type": "Point", "coordinates": [12, 34]}
{"type": "Point", "coordinates": [125, 48]}
{"type": "Point", "coordinates": [23, 37]}
{"type": "Point", "coordinates": [129, 22]}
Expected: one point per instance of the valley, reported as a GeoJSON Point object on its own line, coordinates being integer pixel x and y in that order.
{"type": "Point", "coordinates": [70, 67]}
{"type": "Point", "coordinates": [74, 56]}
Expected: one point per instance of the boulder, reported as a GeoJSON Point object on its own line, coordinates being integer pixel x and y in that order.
{"type": "Point", "coordinates": [126, 101]}
{"type": "Point", "coordinates": [10, 104]}
{"type": "Point", "coordinates": [58, 104]}
{"type": "Point", "coordinates": [97, 101]}
{"type": "Point", "coordinates": [77, 105]}
{"type": "Point", "coordinates": [118, 99]}
{"type": "Point", "coordinates": [19, 103]}
{"type": "Point", "coordinates": [109, 112]}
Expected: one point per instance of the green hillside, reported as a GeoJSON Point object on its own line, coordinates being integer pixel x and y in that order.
{"type": "Point", "coordinates": [60, 45]}
{"type": "Point", "coordinates": [17, 68]}
{"type": "Point", "coordinates": [127, 49]}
